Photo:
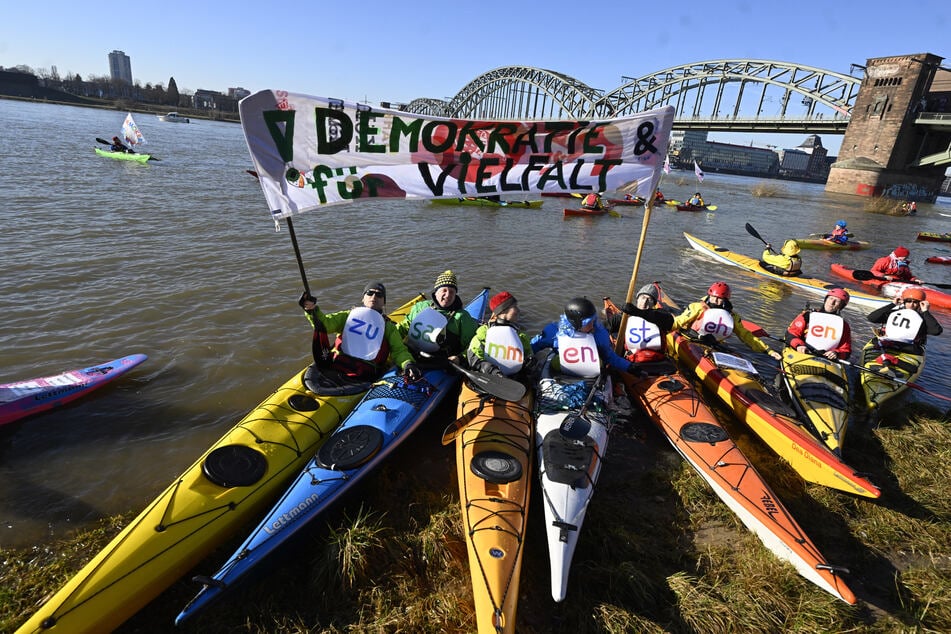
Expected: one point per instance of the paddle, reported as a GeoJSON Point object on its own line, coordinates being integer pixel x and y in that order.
{"type": "Point", "coordinates": [863, 275]}
{"type": "Point", "coordinates": [759, 331]}
{"type": "Point", "coordinates": [494, 384]}
{"type": "Point", "coordinates": [753, 232]}
{"type": "Point", "coordinates": [576, 426]}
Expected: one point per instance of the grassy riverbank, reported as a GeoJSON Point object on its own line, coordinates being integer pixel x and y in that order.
{"type": "Point", "coordinates": [658, 552]}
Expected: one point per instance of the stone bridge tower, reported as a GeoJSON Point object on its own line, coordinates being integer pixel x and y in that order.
{"type": "Point", "coordinates": [882, 142]}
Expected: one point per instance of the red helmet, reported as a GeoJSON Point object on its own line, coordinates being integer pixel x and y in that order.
{"type": "Point", "coordinates": [913, 293]}
{"type": "Point", "coordinates": [839, 293]}
{"type": "Point", "coordinates": [719, 289]}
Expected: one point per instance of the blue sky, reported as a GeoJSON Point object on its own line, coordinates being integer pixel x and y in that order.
{"type": "Point", "coordinates": [380, 50]}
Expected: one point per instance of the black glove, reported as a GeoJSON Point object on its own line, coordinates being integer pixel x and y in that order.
{"type": "Point", "coordinates": [412, 372]}
{"type": "Point", "coordinates": [306, 297]}
{"type": "Point", "coordinates": [629, 308]}
{"type": "Point", "coordinates": [708, 340]}
{"type": "Point", "coordinates": [493, 369]}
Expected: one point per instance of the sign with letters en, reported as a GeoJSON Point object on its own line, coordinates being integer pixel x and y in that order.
{"type": "Point", "coordinates": [313, 152]}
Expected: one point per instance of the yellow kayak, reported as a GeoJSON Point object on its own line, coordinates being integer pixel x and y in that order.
{"type": "Point", "coordinates": [233, 483]}
{"type": "Point", "coordinates": [819, 390]}
{"type": "Point", "coordinates": [493, 460]}
{"type": "Point", "coordinates": [885, 365]}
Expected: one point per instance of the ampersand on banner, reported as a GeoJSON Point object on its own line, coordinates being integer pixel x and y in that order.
{"type": "Point", "coordinates": [645, 144]}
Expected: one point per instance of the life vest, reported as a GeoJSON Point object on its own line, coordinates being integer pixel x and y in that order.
{"type": "Point", "coordinates": [361, 346]}
{"type": "Point", "coordinates": [427, 331]}
{"type": "Point", "coordinates": [902, 325]}
{"type": "Point", "coordinates": [503, 347]}
{"type": "Point", "coordinates": [579, 355]}
{"type": "Point", "coordinates": [591, 201]}
{"type": "Point", "coordinates": [714, 321]}
{"type": "Point", "coordinates": [823, 331]}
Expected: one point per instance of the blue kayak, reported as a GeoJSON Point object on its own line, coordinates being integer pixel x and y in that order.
{"type": "Point", "coordinates": [390, 411]}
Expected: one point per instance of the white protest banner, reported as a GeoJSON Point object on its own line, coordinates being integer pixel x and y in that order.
{"type": "Point", "coordinates": [312, 152]}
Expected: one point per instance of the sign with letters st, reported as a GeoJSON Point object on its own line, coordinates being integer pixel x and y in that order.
{"type": "Point", "coordinates": [312, 152]}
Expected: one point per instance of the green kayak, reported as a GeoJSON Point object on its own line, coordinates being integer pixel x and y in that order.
{"type": "Point", "coordinates": [123, 156]}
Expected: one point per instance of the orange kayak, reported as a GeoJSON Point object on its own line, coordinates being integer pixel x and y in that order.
{"type": "Point", "coordinates": [694, 431]}
{"type": "Point", "coordinates": [494, 466]}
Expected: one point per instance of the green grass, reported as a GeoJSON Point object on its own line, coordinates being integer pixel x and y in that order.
{"type": "Point", "coordinates": [658, 553]}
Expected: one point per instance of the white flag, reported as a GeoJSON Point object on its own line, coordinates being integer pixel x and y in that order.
{"type": "Point", "coordinates": [667, 164]}
{"type": "Point", "coordinates": [698, 171]}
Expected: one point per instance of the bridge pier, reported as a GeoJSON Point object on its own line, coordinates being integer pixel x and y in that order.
{"type": "Point", "coordinates": [882, 146]}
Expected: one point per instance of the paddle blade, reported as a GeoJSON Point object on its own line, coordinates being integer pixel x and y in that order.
{"type": "Point", "coordinates": [711, 207]}
{"type": "Point", "coordinates": [862, 275]}
{"type": "Point", "coordinates": [493, 384]}
{"type": "Point", "coordinates": [456, 426]}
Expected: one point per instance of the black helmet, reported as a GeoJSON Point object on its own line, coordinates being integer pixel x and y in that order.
{"type": "Point", "coordinates": [580, 312]}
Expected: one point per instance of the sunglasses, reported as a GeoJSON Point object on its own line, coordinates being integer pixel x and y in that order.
{"type": "Point", "coordinates": [373, 293]}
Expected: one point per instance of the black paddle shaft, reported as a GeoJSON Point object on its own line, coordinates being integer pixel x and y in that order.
{"type": "Point", "coordinates": [753, 232]}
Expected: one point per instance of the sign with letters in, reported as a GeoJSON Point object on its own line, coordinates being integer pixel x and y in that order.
{"type": "Point", "coordinates": [312, 152]}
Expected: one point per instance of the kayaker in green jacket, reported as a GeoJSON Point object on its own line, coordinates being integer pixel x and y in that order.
{"type": "Point", "coordinates": [440, 328]}
{"type": "Point", "coordinates": [366, 337]}
{"type": "Point", "coordinates": [500, 346]}
{"type": "Point", "coordinates": [713, 319]}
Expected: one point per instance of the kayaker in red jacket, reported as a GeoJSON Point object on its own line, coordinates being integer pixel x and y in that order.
{"type": "Point", "coordinates": [592, 202]}
{"type": "Point", "coordinates": [894, 266]}
{"type": "Point", "coordinates": [823, 331]}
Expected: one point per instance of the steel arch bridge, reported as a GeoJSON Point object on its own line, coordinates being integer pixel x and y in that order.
{"type": "Point", "coordinates": [739, 95]}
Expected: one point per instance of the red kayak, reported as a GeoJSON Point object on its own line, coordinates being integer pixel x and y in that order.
{"type": "Point", "coordinates": [689, 207]}
{"type": "Point", "coordinates": [558, 194]}
{"type": "Point", "coordinates": [894, 289]}
{"type": "Point", "coordinates": [939, 259]}
{"type": "Point", "coordinates": [585, 212]}
{"type": "Point", "coordinates": [632, 202]}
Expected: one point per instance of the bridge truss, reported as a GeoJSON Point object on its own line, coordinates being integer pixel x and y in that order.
{"type": "Point", "coordinates": [736, 95]}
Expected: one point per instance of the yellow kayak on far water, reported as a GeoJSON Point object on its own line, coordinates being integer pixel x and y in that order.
{"type": "Point", "coordinates": [233, 483]}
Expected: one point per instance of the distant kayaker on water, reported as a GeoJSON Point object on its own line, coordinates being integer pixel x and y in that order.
{"type": "Point", "coordinates": [713, 319]}
{"type": "Point", "coordinates": [696, 200]}
{"type": "Point", "coordinates": [840, 234]}
{"type": "Point", "coordinates": [500, 346]}
{"type": "Point", "coordinates": [906, 324]}
{"type": "Point", "coordinates": [592, 202]}
{"type": "Point", "coordinates": [119, 146]}
{"type": "Point", "coordinates": [823, 330]}
{"type": "Point", "coordinates": [787, 262]}
{"type": "Point", "coordinates": [895, 267]}
{"type": "Point", "coordinates": [578, 327]}
{"type": "Point", "coordinates": [366, 338]}
{"type": "Point", "coordinates": [440, 328]}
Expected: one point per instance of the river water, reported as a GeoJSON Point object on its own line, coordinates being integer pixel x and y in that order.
{"type": "Point", "coordinates": [179, 259]}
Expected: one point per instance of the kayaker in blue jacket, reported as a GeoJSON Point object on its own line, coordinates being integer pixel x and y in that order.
{"type": "Point", "coordinates": [366, 338]}
{"type": "Point", "coordinates": [573, 335]}
{"type": "Point", "coordinates": [440, 327]}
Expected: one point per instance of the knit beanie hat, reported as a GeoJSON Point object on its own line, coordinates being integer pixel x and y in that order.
{"type": "Point", "coordinates": [501, 302]}
{"type": "Point", "coordinates": [649, 289]}
{"type": "Point", "coordinates": [901, 252]}
{"type": "Point", "coordinates": [375, 286]}
{"type": "Point", "coordinates": [446, 278]}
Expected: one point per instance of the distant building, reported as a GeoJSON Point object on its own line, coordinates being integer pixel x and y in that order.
{"type": "Point", "coordinates": [120, 67]}
{"type": "Point", "coordinates": [238, 93]}
{"type": "Point", "coordinates": [808, 161]}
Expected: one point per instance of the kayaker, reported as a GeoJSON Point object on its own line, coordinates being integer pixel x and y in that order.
{"type": "Point", "coordinates": [823, 330]}
{"type": "Point", "coordinates": [581, 340]}
{"type": "Point", "coordinates": [592, 202]}
{"type": "Point", "coordinates": [659, 196]}
{"type": "Point", "coordinates": [440, 328]}
{"type": "Point", "coordinates": [840, 233]}
{"type": "Point", "coordinates": [359, 351]}
{"type": "Point", "coordinates": [713, 319]}
{"type": "Point", "coordinates": [787, 262]}
{"type": "Point", "coordinates": [895, 267]}
{"type": "Point", "coordinates": [500, 346]}
{"type": "Point", "coordinates": [696, 200]}
{"type": "Point", "coordinates": [119, 146]}
{"type": "Point", "coordinates": [906, 324]}
{"type": "Point", "coordinates": [645, 330]}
